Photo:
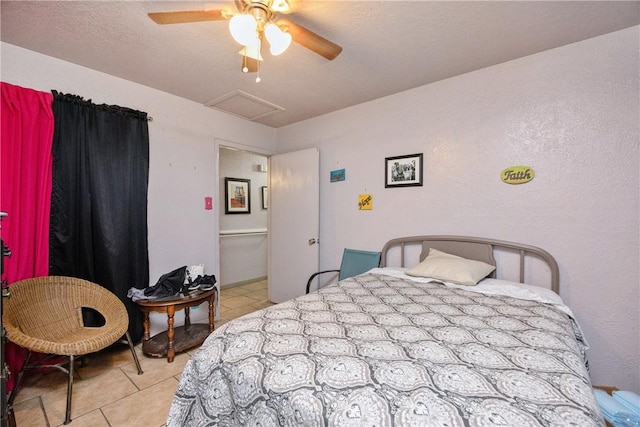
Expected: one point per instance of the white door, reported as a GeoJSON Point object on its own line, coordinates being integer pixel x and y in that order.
{"type": "Point", "coordinates": [294, 222]}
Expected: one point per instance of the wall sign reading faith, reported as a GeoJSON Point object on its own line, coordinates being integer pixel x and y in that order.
{"type": "Point", "coordinates": [365, 202]}
{"type": "Point", "coordinates": [517, 174]}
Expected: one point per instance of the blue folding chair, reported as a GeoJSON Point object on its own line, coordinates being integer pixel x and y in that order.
{"type": "Point", "coordinates": [354, 262]}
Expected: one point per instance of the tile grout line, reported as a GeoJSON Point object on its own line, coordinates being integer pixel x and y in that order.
{"type": "Point", "coordinates": [44, 413]}
{"type": "Point", "coordinates": [259, 299]}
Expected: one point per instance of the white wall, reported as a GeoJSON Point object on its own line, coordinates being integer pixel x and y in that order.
{"type": "Point", "coordinates": [570, 113]}
{"type": "Point", "coordinates": [243, 257]}
{"type": "Point", "coordinates": [183, 156]}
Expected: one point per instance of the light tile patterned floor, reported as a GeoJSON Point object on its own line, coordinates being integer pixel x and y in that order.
{"type": "Point", "coordinates": [108, 392]}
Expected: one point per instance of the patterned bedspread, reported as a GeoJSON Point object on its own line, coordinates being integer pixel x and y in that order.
{"type": "Point", "coordinates": [377, 350]}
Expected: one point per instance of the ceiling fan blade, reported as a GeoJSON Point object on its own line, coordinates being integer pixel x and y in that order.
{"type": "Point", "coordinates": [311, 40]}
{"type": "Point", "coordinates": [189, 16]}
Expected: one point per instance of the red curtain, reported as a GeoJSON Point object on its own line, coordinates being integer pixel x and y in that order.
{"type": "Point", "coordinates": [25, 186]}
{"type": "Point", "coordinates": [25, 192]}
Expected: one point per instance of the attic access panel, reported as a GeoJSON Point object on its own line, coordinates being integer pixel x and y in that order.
{"type": "Point", "coordinates": [244, 105]}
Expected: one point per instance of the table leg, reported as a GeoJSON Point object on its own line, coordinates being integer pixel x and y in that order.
{"type": "Point", "coordinates": [171, 351]}
{"type": "Point", "coordinates": [146, 324]}
{"type": "Point", "coordinates": [187, 319]}
{"type": "Point", "coordinates": [212, 303]}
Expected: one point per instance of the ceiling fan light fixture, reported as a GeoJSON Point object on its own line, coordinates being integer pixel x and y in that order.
{"type": "Point", "coordinates": [243, 29]}
{"type": "Point", "coordinates": [279, 41]}
{"type": "Point", "coordinates": [281, 6]}
{"type": "Point", "coordinates": [252, 52]}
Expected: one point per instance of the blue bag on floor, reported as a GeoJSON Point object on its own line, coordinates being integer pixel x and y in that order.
{"type": "Point", "coordinates": [629, 399]}
{"type": "Point", "coordinates": [615, 412]}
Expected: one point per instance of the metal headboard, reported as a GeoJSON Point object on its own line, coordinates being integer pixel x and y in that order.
{"type": "Point", "coordinates": [476, 248]}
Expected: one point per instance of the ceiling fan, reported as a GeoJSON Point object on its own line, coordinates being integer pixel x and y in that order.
{"type": "Point", "coordinates": [254, 21]}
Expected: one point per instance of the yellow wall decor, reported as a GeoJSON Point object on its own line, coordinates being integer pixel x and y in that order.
{"type": "Point", "coordinates": [517, 174]}
{"type": "Point", "coordinates": [365, 202]}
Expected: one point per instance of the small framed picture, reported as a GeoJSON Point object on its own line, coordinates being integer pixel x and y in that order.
{"type": "Point", "coordinates": [265, 195]}
{"type": "Point", "coordinates": [236, 196]}
{"type": "Point", "coordinates": [403, 171]}
{"type": "Point", "coordinates": [337, 175]}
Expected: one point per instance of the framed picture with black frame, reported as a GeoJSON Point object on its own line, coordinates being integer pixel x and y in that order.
{"type": "Point", "coordinates": [237, 192]}
{"type": "Point", "coordinates": [403, 171]}
{"type": "Point", "coordinates": [265, 197]}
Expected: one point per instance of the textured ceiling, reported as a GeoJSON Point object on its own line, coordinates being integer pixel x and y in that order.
{"type": "Point", "coordinates": [389, 46]}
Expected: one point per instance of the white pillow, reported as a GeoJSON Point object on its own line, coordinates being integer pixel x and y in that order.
{"type": "Point", "coordinates": [518, 290]}
{"type": "Point", "coordinates": [451, 268]}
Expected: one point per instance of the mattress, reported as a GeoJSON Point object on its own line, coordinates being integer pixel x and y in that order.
{"type": "Point", "coordinates": [385, 349]}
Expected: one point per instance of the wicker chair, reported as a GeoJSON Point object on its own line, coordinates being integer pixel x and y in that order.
{"type": "Point", "coordinates": [44, 315]}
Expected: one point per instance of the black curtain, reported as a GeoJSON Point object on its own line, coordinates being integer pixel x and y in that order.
{"type": "Point", "coordinates": [98, 228]}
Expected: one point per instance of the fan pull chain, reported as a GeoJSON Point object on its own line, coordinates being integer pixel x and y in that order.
{"type": "Point", "coordinates": [258, 79]}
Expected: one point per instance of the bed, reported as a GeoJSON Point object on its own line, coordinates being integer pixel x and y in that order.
{"type": "Point", "coordinates": [394, 347]}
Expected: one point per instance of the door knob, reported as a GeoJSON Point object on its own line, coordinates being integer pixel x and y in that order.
{"type": "Point", "coordinates": [312, 242]}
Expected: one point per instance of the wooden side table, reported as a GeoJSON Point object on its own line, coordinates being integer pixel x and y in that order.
{"type": "Point", "coordinates": [182, 338]}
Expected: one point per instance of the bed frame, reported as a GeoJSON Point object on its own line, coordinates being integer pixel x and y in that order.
{"type": "Point", "coordinates": [475, 248]}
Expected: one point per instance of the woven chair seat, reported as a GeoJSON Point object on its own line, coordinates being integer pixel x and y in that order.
{"type": "Point", "coordinates": [44, 315]}
{"type": "Point", "coordinates": [77, 343]}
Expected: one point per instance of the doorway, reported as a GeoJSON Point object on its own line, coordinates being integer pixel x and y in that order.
{"type": "Point", "coordinates": [243, 202]}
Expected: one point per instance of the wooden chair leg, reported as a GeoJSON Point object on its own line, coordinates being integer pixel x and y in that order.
{"type": "Point", "coordinates": [67, 418]}
{"type": "Point", "coordinates": [133, 351]}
